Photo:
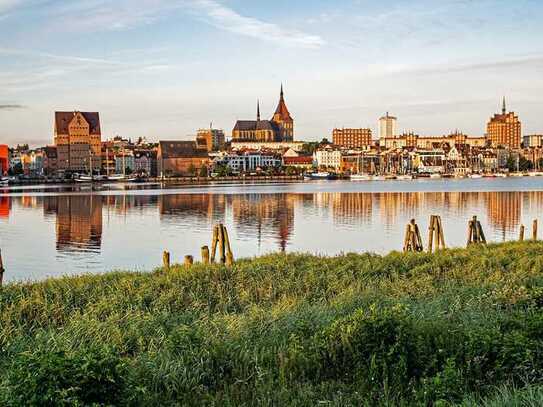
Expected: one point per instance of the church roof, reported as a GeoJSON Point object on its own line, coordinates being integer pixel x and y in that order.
{"type": "Point", "coordinates": [63, 119]}
{"type": "Point", "coordinates": [282, 109]}
{"type": "Point", "coordinates": [181, 149]}
{"type": "Point", "coordinates": [252, 125]}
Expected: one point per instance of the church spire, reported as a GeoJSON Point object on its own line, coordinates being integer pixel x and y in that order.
{"type": "Point", "coordinates": [257, 110]}
{"type": "Point", "coordinates": [281, 90]}
{"type": "Point", "coordinates": [504, 107]}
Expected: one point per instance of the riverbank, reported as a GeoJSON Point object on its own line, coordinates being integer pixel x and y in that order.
{"type": "Point", "coordinates": [457, 326]}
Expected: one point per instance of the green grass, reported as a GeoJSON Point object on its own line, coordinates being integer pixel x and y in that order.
{"type": "Point", "coordinates": [458, 327]}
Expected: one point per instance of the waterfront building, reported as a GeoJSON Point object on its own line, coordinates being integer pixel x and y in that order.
{"type": "Point", "coordinates": [387, 128]}
{"type": "Point", "coordinates": [352, 138]}
{"type": "Point", "coordinates": [124, 162]}
{"type": "Point", "coordinates": [532, 140]}
{"type": "Point", "coordinates": [504, 130]}
{"type": "Point", "coordinates": [78, 140]}
{"type": "Point", "coordinates": [269, 146]}
{"type": "Point", "coordinates": [328, 157]}
{"type": "Point", "coordinates": [279, 129]}
{"type": "Point", "coordinates": [180, 158]}
{"type": "Point", "coordinates": [302, 162]}
{"type": "Point", "coordinates": [50, 160]}
{"type": "Point", "coordinates": [145, 162]}
{"type": "Point", "coordinates": [210, 139]}
{"type": "Point", "coordinates": [248, 161]}
{"type": "Point", "coordinates": [4, 159]}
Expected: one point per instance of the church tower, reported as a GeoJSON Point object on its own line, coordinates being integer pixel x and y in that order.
{"type": "Point", "coordinates": [283, 120]}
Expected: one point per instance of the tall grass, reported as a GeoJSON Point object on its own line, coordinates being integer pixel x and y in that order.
{"type": "Point", "coordinates": [283, 330]}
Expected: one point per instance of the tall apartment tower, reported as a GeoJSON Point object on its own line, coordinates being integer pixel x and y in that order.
{"type": "Point", "coordinates": [78, 140]}
{"type": "Point", "coordinates": [387, 127]}
{"type": "Point", "coordinates": [504, 130]}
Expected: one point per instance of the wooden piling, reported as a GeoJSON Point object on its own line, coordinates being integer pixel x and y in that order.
{"type": "Point", "coordinates": [166, 260]}
{"type": "Point", "coordinates": [2, 270]}
{"type": "Point", "coordinates": [534, 230]}
{"type": "Point", "coordinates": [476, 234]}
{"type": "Point", "coordinates": [189, 261]}
{"type": "Point", "coordinates": [521, 234]}
{"type": "Point", "coordinates": [412, 240]}
{"type": "Point", "coordinates": [222, 252]}
{"type": "Point", "coordinates": [205, 254]}
{"type": "Point", "coordinates": [229, 254]}
{"type": "Point", "coordinates": [214, 241]}
{"type": "Point", "coordinates": [435, 233]}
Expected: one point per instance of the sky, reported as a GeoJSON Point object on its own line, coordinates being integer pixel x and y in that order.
{"type": "Point", "coordinates": [161, 69]}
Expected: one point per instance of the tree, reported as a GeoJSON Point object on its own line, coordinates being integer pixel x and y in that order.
{"type": "Point", "coordinates": [192, 170]}
{"type": "Point", "coordinates": [203, 171]}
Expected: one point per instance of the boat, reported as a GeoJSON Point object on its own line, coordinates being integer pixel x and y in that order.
{"type": "Point", "coordinates": [435, 176]}
{"type": "Point", "coordinates": [361, 177]}
{"type": "Point", "coordinates": [404, 177]}
{"type": "Point", "coordinates": [4, 181]}
{"type": "Point", "coordinates": [475, 176]}
{"type": "Point", "coordinates": [116, 177]}
{"type": "Point", "coordinates": [501, 175]}
{"type": "Point", "coordinates": [321, 176]}
{"type": "Point", "coordinates": [390, 177]}
{"type": "Point", "coordinates": [378, 178]}
{"type": "Point", "coordinates": [84, 178]}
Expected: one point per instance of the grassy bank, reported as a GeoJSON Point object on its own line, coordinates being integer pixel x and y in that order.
{"type": "Point", "coordinates": [461, 326]}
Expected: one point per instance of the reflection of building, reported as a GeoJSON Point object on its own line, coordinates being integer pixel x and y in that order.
{"type": "Point", "coordinates": [4, 159]}
{"type": "Point", "coordinates": [78, 140]}
{"type": "Point", "coordinates": [208, 208]}
{"type": "Point", "coordinates": [5, 204]}
{"type": "Point", "coordinates": [504, 210]}
{"type": "Point", "coordinates": [352, 207]}
{"type": "Point", "coordinates": [504, 129]}
{"type": "Point", "coordinates": [279, 129]}
{"type": "Point", "coordinates": [79, 221]}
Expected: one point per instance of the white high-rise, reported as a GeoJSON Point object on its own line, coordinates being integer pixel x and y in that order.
{"type": "Point", "coordinates": [387, 128]}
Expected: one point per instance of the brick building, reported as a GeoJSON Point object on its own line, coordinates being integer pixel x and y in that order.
{"type": "Point", "coordinates": [504, 130]}
{"type": "Point", "coordinates": [180, 158]}
{"type": "Point", "coordinates": [352, 138]}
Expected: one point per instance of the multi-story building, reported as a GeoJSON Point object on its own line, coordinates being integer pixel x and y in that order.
{"type": "Point", "coordinates": [124, 162]}
{"type": "Point", "coordinates": [180, 158]}
{"type": "Point", "coordinates": [145, 162]}
{"type": "Point", "coordinates": [78, 141]}
{"type": "Point", "coordinates": [352, 138]}
{"type": "Point", "coordinates": [210, 139]}
{"type": "Point", "coordinates": [387, 127]}
{"type": "Point", "coordinates": [328, 158]}
{"type": "Point", "coordinates": [50, 160]}
{"type": "Point", "coordinates": [4, 159]}
{"type": "Point", "coordinates": [504, 130]}
{"type": "Point", "coordinates": [249, 161]}
{"type": "Point", "coordinates": [279, 129]}
{"type": "Point", "coordinates": [532, 140]}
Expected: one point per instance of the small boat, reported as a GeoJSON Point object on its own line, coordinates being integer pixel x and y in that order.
{"type": "Point", "coordinates": [404, 177]}
{"type": "Point", "coordinates": [390, 177]}
{"type": "Point", "coordinates": [435, 176]}
{"type": "Point", "coordinates": [378, 178]}
{"type": "Point", "coordinates": [322, 176]}
{"type": "Point", "coordinates": [116, 177]}
{"type": "Point", "coordinates": [501, 175]}
{"type": "Point", "coordinates": [475, 176]}
{"type": "Point", "coordinates": [361, 177]}
{"type": "Point", "coordinates": [4, 181]}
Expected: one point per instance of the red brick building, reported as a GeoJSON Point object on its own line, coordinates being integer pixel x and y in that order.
{"type": "Point", "coordinates": [352, 138]}
{"type": "Point", "coordinates": [180, 158]}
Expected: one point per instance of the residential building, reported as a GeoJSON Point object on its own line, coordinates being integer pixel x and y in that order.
{"type": "Point", "coordinates": [210, 139]}
{"type": "Point", "coordinates": [279, 129]}
{"type": "Point", "coordinates": [124, 162]}
{"type": "Point", "coordinates": [352, 138]}
{"type": "Point", "coordinates": [269, 146]}
{"type": "Point", "coordinates": [532, 140]}
{"type": "Point", "coordinates": [180, 158]}
{"type": "Point", "coordinates": [4, 159]}
{"type": "Point", "coordinates": [387, 127]}
{"type": "Point", "coordinates": [145, 162]}
{"type": "Point", "coordinates": [504, 130]}
{"type": "Point", "coordinates": [302, 162]}
{"type": "Point", "coordinates": [249, 161]}
{"type": "Point", "coordinates": [78, 140]}
{"type": "Point", "coordinates": [328, 158]}
{"type": "Point", "coordinates": [50, 160]}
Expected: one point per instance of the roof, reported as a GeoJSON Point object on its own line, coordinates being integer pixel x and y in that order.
{"type": "Point", "coordinates": [282, 109]}
{"type": "Point", "coordinates": [63, 119]}
{"type": "Point", "coordinates": [181, 149]}
{"type": "Point", "coordinates": [298, 160]}
{"type": "Point", "coordinates": [252, 125]}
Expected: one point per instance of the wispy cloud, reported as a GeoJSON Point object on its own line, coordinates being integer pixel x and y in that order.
{"type": "Point", "coordinates": [227, 19]}
{"type": "Point", "coordinates": [11, 106]}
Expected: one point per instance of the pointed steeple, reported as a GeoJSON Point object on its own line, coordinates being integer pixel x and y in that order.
{"type": "Point", "coordinates": [504, 107]}
{"type": "Point", "coordinates": [282, 111]}
{"type": "Point", "coordinates": [281, 90]}
{"type": "Point", "coordinates": [257, 110]}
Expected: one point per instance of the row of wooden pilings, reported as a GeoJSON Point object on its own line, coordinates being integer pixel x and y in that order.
{"type": "Point", "coordinates": [413, 240]}
{"type": "Point", "coordinates": [219, 240]}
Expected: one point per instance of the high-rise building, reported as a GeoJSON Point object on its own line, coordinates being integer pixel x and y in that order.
{"type": "Point", "coordinates": [279, 129]}
{"type": "Point", "coordinates": [504, 130]}
{"type": "Point", "coordinates": [78, 140]}
{"type": "Point", "coordinates": [210, 139]}
{"type": "Point", "coordinates": [352, 138]}
{"type": "Point", "coordinates": [387, 127]}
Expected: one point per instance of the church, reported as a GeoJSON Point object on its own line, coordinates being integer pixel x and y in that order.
{"type": "Point", "coordinates": [279, 129]}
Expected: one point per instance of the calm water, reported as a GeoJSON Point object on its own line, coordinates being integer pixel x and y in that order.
{"type": "Point", "coordinates": [51, 231]}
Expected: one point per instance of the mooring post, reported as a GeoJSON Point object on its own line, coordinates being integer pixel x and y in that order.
{"type": "Point", "coordinates": [166, 260]}
{"type": "Point", "coordinates": [521, 234]}
{"type": "Point", "coordinates": [431, 229]}
{"type": "Point", "coordinates": [534, 230]}
{"type": "Point", "coordinates": [214, 240]}
{"type": "Point", "coordinates": [205, 254]}
{"type": "Point", "coordinates": [2, 270]}
{"type": "Point", "coordinates": [229, 254]}
{"type": "Point", "coordinates": [222, 252]}
{"type": "Point", "coordinates": [189, 261]}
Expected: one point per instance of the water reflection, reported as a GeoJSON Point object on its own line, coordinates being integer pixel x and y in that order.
{"type": "Point", "coordinates": [94, 232]}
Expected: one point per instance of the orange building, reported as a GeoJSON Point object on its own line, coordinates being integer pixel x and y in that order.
{"type": "Point", "coordinates": [352, 138]}
{"type": "Point", "coordinates": [4, 159]}
{"type": "Point", "coordinates": [504, 130]}
{"type": "Point", "coordinates": [180, 158]}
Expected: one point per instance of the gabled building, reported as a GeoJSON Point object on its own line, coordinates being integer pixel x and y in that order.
{"type": "Point", "coordinates": [180, 158]}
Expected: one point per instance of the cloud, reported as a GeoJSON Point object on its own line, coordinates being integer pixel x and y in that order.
{"type": "Point", "coordinates": [227, 19]}
{"type": "Point", "coordinates": [11, 107]}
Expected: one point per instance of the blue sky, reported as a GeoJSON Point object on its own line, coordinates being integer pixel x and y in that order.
{"type": "Point", "coordinates": [164, 68]}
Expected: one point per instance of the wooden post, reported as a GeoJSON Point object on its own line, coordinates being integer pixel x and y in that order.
{"type": "Point", "coordinates": [2, 270]}
{"type": "Point", "coordinates": [521, 235]}
{"type": "Point", "coordinates": [431, 229]}
{"type": "Point", "coordinates": [475, 232]}
{"type": "Point", "coordinates": [166, 260]}
{"type": "Point", "coordinates": [222, 252]}
{"type": "Point", "coordinates": [229, 254]}
{"type": "Point", "coordinates": [214, 240]}
{"type": "Point", "coordinates": [205, 254]}
{"type": "Point", "coordinates": [189, 261]}
{"type": "Point", "coordinates": [435, 231]}
{"type": "Point", "coordinates": [441, 234]}
{"type": "Point", "coordinates": [413, 240]}
{"type": "Point", "coordinates": [534, 230]}
{"type": "Point", "coordinates": [407, 238]}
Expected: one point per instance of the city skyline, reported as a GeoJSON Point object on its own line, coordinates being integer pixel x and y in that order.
{"type": "Point", "coordinates": [436, 68]}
